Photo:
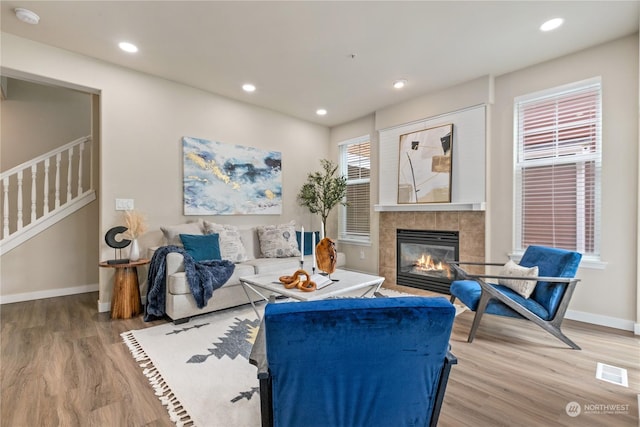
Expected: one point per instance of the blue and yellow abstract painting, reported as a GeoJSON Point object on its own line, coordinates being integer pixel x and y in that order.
{"type": "Point", "coordinates": [225, 179]}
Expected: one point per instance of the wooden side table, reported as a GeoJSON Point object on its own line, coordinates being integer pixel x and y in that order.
{"type": "Point", "coordinates": [125, 301]}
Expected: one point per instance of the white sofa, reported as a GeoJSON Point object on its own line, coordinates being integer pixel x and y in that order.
{"type": "Point", "coordinates": [180, 304]}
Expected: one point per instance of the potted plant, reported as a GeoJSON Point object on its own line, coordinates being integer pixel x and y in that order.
{"type": "Point", "coordinates": [323, 190]}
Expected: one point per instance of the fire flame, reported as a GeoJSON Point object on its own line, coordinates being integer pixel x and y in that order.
{"type": "Point", "coordinates": [426, 263]}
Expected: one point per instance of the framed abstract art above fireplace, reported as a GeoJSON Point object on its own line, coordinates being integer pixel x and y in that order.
{"type": "Point", "coordinates": [225, 179]}
{"type": "Point", "coordinates": [424, 168]}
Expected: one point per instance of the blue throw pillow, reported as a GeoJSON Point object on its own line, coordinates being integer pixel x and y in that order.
{"type": "Point", "coordinates": [307, 241]}
{"type": "Point", "coordinates": [202, 247]}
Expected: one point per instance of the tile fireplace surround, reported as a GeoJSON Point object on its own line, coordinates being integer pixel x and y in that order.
{"type": "Point", "coordinates": [470, 224]}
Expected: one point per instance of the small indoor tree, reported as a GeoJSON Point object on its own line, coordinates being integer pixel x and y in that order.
{"type": "Point", "coordinates": [323, 190]}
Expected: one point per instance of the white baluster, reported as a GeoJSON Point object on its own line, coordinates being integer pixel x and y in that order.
{"type": "Point", "coordinates": [5, 210]}
{"type": "Point", "coordinates": [80, 160]}
{"type": "Point", "coordinates": [34, 168]}
{"type": "Point", "coordinates": [69, 174]}
{"type": "Point", "coordinates": [46, 187]}
{"type": "Point", "coordinates": [58, 159]}
{"type": "Point", "coordinates": [19, 200]}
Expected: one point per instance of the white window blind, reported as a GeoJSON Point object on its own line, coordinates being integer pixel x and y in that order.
{"type": "Point", "coordinates": [558, 167]}
{"type": "Point", "coordinates": [355, 163]}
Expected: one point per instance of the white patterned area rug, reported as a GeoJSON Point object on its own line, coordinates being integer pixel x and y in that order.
{"type": "Point", "coordinates": [200, 370]}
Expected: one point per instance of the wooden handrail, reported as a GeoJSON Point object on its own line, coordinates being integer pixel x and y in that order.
{"type": "Point", "coordinates": [44, 156]}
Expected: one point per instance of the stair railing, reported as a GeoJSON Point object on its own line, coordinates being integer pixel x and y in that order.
{"type": "Point", "coordinates": [64, 174]}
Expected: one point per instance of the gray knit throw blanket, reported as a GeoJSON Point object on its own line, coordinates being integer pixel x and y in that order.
{"type": "Point", "coordinates": [203, 278]}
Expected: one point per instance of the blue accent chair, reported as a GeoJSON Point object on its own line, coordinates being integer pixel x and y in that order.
{"type": "Point", "coordinates": [547, 304]}
{"type": "Point", "coordinates": [355, 362]}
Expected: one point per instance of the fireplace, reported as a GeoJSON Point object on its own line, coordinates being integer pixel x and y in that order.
{"type": "Point", "coordinates": [423, 256]}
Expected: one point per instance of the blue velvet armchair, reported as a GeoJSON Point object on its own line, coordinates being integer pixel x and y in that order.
{"type": "Point", "coordinates": [547, 304]}
{"type": "Point", "coordinates": [356, 362]}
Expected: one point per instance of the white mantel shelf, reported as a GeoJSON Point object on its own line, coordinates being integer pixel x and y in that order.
{"type": "Point", "coordinates": [430, 207]}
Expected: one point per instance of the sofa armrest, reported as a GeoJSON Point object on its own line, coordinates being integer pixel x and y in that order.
{"type": "Point", "coordinates": [175, 263]}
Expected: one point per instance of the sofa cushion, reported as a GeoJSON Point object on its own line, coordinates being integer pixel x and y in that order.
{"type": "Point", "coordinates": [278, 241]}
{"type": "Point", "coordinates": [469, 291]}
{"type": "Point", "coordinates": [249, 237]}
{"type": "Point", "coordinates": [231, 247]}
{"type": "Point", "coordinates": [172, 232]}
{"type": "Point", "coordinates": [202, 248]}
{"type": "Point", "coordinates": [284, 265]}
{"type": "Point", "coordinates": [177, 282]}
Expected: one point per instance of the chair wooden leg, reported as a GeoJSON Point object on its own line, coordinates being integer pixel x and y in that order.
{"type": "Point", "coordinates": [482, 305]}
{"type": "Point", "coordinates": [556, 332]}
{"type": "Point", "coordinates": [553, 327]}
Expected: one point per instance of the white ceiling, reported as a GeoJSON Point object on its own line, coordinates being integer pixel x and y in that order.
{"type": "Point", "coordinates": [298, 54]}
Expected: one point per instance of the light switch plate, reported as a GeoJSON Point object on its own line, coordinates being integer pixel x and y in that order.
{"type": "Point", "coordinates": [124, 204]}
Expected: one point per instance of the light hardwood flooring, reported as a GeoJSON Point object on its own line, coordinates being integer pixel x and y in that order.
{"type": "Point", "coordinates": [64, 364]}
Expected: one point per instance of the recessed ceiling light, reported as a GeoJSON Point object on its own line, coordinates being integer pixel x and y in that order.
{"type": "Point", "coordinates": [248, 87]}
{"type": "Point", "coordinates": [551, 24]}
{"type": "Point", "coordinates": [399, 84]}
{"type": "Point", "coordinates": [25, 15]}
{"type": "Point", "coordinates": [321, 112]}
{"type": "Point", "coordinates": [128, 47]}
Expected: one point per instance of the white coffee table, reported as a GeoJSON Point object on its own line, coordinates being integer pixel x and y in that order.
{"type": "Point", "coordinates": [267, 286]}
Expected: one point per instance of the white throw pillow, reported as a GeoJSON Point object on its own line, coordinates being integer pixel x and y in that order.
{"type": "Point", "coordinates": [278, 241]}
{"type": "Point", "coordinates": [172, 232]}
{"type": "Point", "coordinates": [521, 286]}
{"type": "Point", "coordinates": [231, 247]}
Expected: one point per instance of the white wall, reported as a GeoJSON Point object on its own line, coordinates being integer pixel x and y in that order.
{"type": "Point", "coordinates": [605, 295]}
{"type": "Point", "coordinates": [61, 115]}
{"type": "Point", "coordinates": [360, 257]}
{"type": "Point", "coordinates": [142, 121]}
{"type": "Point", "coordinates": [464, 95]}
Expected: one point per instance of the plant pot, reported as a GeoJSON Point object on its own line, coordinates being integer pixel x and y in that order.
{"type": "Point", "coordinates": [134, 250]}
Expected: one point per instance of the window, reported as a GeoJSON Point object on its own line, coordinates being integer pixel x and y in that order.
{"type": "Point", "coordinates": [355, 164]}
{"type": "Point", "coordinates": [557, 168]}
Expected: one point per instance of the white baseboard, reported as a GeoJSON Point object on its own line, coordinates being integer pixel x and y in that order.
{"type": "Point", "coordinates": [597, 319]}
{"type": "Point", "coordinates": [636, 331]}
{"type": "Point", "coordinates": [103, 307]}
{"type": "Point", "coordinates": [49, 293]}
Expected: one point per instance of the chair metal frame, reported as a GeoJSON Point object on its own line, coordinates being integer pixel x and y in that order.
{"type": "Point", "coordinates": [489, 292]}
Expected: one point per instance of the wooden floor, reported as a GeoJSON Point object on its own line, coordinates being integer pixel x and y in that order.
{"type": "Point", "coordinates": [64, 364]}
